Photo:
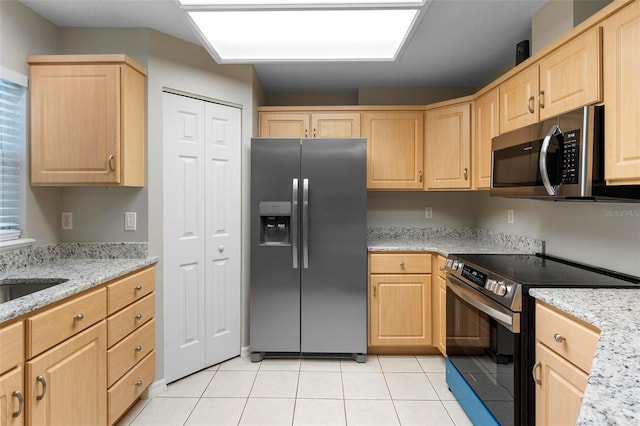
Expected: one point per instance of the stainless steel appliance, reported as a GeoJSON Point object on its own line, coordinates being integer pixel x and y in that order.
{"type": "Point", "coordinates": [308, 247]}
{"type": "Point", "coordinates": [491, 328]}
{"type": "Point", "coordinates": [561, 158]}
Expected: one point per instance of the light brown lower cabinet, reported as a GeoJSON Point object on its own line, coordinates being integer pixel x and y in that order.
{"type": "Point", "coordinates": [12, 397]}
{"type": "Point", "coordinates": [66, 385]}
{"type": "Point", "coordinates": [71, 364]}
{"type": "Point", "coordinates": [565, 347]}
{"type": "Point", "coordinates": [400, 299]}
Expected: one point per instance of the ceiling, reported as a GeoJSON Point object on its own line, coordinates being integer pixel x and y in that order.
{"type": "Point", "coordinates": [457, 43]}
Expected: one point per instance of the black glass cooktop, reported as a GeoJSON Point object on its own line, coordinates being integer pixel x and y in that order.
{"type": "Point", "coordinates": [543, 271]}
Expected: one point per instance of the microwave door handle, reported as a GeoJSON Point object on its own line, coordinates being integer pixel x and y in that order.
{"type": "Point", "coordinates": [544, 174]}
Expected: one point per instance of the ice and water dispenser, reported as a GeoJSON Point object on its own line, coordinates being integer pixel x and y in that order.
{"type": "Point", "coordinates": [275, 223]}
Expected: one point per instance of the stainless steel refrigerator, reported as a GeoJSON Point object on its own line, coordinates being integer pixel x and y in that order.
{"type": "Point", "coordinates": [308, 247]}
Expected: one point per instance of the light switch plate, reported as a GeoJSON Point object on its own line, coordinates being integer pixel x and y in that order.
{"type": "Point", "coordinates": [510, 216]}
{"type": "Point", "coordinates": [428, 212]}
{"type": "Point", "coordinates": [130, 221]}
{"type": "Point", "coordinates": [66, 219]}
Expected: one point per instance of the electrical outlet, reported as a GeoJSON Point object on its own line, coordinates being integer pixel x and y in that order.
{"type": "Point", "coordinates": [428, 212]}
{"type": "Point", "coordinates": [510, 216]}
{"type": "Point", "coordinates": [130, 221]}
{"type": "Point", "coordinates": [67, 220]}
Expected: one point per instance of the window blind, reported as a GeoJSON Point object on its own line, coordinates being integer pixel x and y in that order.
{"type": "Point", "coordinates": [12, 145]}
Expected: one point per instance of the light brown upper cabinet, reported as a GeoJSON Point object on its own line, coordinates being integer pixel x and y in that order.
{"type": "Point", "coordinates": [448, 147]}
{"type": "Point", "coordinates": [486, 127]}
{"type": "Point", "coordinates": [622, 96]}
{"type": "Point", "coordinates": [394, 149]}
{"type": "Point", "coordinates": [87, 120]}
{"type": "Point", "coordinates": [310, 125]}
{"type": "Point", "coordinates": [567, 78]}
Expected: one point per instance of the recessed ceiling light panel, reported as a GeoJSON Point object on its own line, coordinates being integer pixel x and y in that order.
{"type": "Point", "coordinates": [297, 3]}
{"type": "Point", "coordinates": [252, 36]}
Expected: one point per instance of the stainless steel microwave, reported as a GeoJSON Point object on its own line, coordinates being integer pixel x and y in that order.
{"type": "Point", "coordinates": [561, 158]}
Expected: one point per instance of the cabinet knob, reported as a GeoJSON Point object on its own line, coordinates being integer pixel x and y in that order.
{"type": "Point", "coordinates": [17, 394]}
{"type": "Point", "coordinates": [139, 383]}
{"type": "Point", "coordinates": [79, 317]}
{"type": "Point", "coordinates": [441, 268]}
{"type": "Point", "coordinates": [402, 265]}
{"type": "Point", "coordinates": [138, 288]}
{"type": "Point", "coordinates": [221, 248]}
{"type": "Point", "coordinates": [559, 338]}
{"type": "Point", "coordinates": [138, 348]}
{"type": "Point", "coordinates": [138, 317]}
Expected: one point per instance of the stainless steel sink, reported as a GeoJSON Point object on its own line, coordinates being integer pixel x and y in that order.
{"type": "Point", "coordinates": [12, 288]}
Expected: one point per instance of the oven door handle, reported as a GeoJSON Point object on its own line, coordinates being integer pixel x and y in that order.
{"type": "Point", "coordinates": [510, 320]}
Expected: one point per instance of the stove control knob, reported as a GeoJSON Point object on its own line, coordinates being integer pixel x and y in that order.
{"type": "Point", "coordinates": [501, 288]}
{"type": "Point", "coordinates": [490, 285]}
{"type": "Point", "coordinates": [455, 265]}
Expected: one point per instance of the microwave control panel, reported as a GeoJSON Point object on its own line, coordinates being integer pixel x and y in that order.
{"type": "Point", "coordinates": [571, 156]}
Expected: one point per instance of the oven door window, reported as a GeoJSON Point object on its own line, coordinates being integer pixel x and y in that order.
{"type": "Point", "coordinates": [483, 351]}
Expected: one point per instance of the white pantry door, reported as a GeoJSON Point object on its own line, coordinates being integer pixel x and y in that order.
{"type": "Point", "coordinates": [201, 214]}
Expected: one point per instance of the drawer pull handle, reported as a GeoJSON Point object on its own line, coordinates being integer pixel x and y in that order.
{"type": "Point", "coordinates": [18, 394]}
{"type": "Point", "coordinates": [79, 317]}
{"type": "Point", "coordinates": [138, 288]}
{"type": "Point", "coordinates": [138, 348]}
{"type": "Point", "coordinates": [402, 265]}
{"type": "Point", "coordinates": [559, 338]}
{"type": "Point", "coordinates": [536, 366]}
{"type": "Point", "coordinates": [42, 380]}
{"type": "Point", "coordinates": [139, 383]}
{"type": "Point", "coordinates": [138, 317]}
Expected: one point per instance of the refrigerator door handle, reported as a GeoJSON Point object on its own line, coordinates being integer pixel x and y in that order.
{"type": "Point", "coordinates": [305, 223]}
{"type": "Point", "coordinates": [294, 223]}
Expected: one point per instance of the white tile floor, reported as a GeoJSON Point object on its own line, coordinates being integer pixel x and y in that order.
{"type": "Point", "coordinates": [386, 390]}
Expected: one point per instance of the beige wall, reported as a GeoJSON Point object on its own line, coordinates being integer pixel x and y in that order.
{"type": "Point", "coordinates": [550, 22]}
{"type": "Point", "coordinates": [22, 33]}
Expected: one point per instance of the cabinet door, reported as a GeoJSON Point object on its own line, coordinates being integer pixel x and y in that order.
{"type": "Point", "coordinates": [570, 77]}
{"type": "Point", "coordinates": [75, 124]}
{"type": "Point", "coordinates": [487, 126]}
{"type": "Point", "coordinates": [394, 149]}
{"type": "Point", "coordinates": [448, 144]}
{"type": "Point", "coordinates": [622, 96]}
{"type": "Point", "coordinates": [518, 105]}
{"type": "Point", "coordinates": [400, 309]}
{"type": "Point", "coordinates": [335, 125]}
{"type": "Point", "coordinates": [76, 381]}
{"type": "Point", "coordinates": [440, 314]}
{"type": "Point", "coordinates": [11, 395]}
{"type": "Point", "coordinates": [559, 393]}
{"type": "Point", "coordinates": [284, 125]}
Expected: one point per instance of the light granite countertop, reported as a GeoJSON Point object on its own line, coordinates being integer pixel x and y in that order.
{"type": "Point", "coordinates": [447, 241]}
{"type": "Point", "coordinates": [612, 395]}
{"type": "Point", "coordinates": [84, 265]}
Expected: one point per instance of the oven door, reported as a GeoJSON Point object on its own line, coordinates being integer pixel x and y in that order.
{"type": "Point", "coordinates": [483, 344]}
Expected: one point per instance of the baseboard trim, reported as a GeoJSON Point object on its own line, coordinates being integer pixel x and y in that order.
{"type": "Point", "coordinates": [154, 389]}
{"type": "Point", "coordinates": [245, 352]}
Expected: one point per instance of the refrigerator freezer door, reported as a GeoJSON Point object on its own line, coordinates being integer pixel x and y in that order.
{"type": "Point", "coordinates": [334, 283]}
{"type": "Point", "coordinates": [275, 278]}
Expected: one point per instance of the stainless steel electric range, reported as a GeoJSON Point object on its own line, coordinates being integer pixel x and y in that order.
{"type": "Point", "coordinates": [491, 328]}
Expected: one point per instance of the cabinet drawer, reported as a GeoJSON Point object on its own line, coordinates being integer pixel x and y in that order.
{"type": "Point", "coordinates": [125, 354]}
{"type": "Point", "coordinates": [129, 289]}
{"type": "Point", "coordinates": [441, 264]}
{"type": "Point", "coordinates": [400, 263]}
{"type": "Point", "coordinates": [127, 390]}
{"type": "Point", "coordinates": [577, 341]}
{"type": "Point", "coordinates": [12, 347]}
{"type": "Point", "coordinates": [54, 325]}
{"type": "Point", "coordinates": [129, 319]}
